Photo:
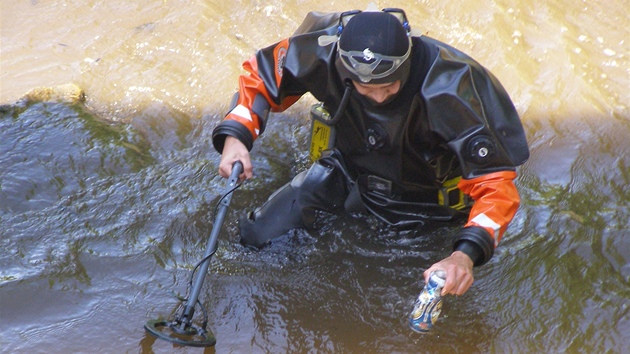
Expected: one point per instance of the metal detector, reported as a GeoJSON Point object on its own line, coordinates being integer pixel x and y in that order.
{"type": "Point", "coordinates": [182, 330]}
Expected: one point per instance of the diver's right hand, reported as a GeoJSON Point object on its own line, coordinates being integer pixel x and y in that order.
{"type": "Point", "coordinates": [234, 150]}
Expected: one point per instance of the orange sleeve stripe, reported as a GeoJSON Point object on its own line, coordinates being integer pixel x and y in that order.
{"type": "Point", "coordinates": [251, 85]}
{"type": "Point", "coordinates": [246, 122]}
{"type": "Point", "coordinates": [279, 56]}
{"type": "Point", "coordinates": [256, 82]}
{"type": "Point", "coordinates": [496, 201]}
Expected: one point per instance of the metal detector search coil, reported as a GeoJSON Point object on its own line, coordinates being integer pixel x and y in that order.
{"type": "Point", "coordinates": [182, 330]}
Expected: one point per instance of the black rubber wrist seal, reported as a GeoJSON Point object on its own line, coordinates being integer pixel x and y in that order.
{"type": "Point", "coordinates": [477, 243]}
{"type": "Point", "coordinates": [231, 128]}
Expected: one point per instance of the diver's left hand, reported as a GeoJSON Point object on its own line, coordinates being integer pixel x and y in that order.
{"type": "Point", "coordinates": [459, 273]}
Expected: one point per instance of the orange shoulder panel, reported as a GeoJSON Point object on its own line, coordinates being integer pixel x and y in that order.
{"type": "Point", "coordinates": [251, 85]}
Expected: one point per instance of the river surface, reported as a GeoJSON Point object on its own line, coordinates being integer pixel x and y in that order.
{"type": "Point", "coordinates": [106, 206]}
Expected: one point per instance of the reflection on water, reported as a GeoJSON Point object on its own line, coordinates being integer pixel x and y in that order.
{"type": "Point", "coordinates": [101, 222]}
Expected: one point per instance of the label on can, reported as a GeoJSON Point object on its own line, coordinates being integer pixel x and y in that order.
{"type": "Point", "coordinates": [428, 306]}
{"type": "Point", "coordinates": [425, 313]}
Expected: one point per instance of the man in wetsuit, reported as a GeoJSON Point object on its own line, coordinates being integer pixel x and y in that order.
{"type": "Point", "coordinates": [423, 132]}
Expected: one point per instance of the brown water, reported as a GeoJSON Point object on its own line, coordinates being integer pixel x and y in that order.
{"type": "Point", "coordinates": [100, 222]}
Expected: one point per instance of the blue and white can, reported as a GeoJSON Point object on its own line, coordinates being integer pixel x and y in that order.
{"type": "Point", "coordinates": [428, 306]}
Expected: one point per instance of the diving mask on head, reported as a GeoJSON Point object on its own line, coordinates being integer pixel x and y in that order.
{"type": "Point", "coordinates": [368, 66]}
{"type": "Point", "coordinates": [373, 46]}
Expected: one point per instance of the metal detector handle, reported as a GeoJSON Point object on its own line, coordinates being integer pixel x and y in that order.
{"type": "Point", "coordinates": [237, 169]}
{"type": "Point", "coordinates": [189, 309]}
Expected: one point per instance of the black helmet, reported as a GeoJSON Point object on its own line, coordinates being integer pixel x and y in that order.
{"type": "Point", "coordinates": [374, 46]}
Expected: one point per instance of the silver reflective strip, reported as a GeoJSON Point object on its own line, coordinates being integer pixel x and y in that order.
{"type": "Point", "coordinates": [484, 221]}
{"type": "Point", "coordinates": [242, 112]}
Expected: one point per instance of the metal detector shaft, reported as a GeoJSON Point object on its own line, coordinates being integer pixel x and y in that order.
{"type": "Point", "coordinates": [189, 309]}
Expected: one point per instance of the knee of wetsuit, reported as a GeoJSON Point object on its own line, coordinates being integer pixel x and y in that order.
{"type": "Point", "coordinates": [322, 187]}
{"type": "Point", "coordinates": [249, 236]}
{"type": "Point", "coordinates": [281, 213]}
{"type": "Point", "coordinates": [293, 206]}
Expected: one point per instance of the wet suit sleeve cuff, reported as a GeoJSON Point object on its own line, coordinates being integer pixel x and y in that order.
{"type": "Point", "coordinates": [476, 243]}
{"type": "Point", "coordinates": [231, 128]}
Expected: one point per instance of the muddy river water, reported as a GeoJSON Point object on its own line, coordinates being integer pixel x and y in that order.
{"type": "Point", "coordinates": [106, 206]}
